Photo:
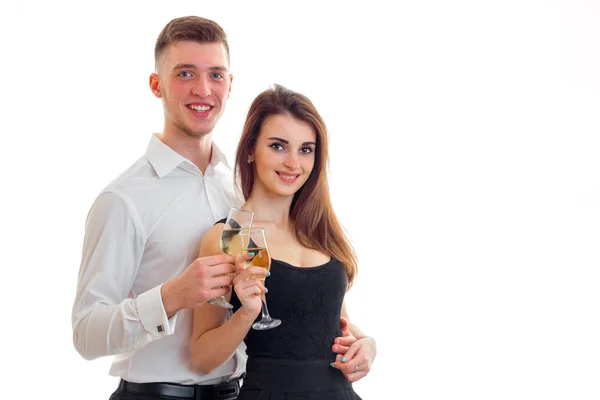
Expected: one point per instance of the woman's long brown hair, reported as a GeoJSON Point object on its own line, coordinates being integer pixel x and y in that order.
{"type": "Point", "coordinates": [311, 212]}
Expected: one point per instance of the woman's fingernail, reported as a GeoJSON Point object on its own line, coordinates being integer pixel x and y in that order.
{"type": "Point", "coordinates": [266, 290]}
{"type": "Point", "coordinates": [331, 365]}
{"type": "Point", "coordinates": [251, 253]}
{"type": "Point", "coordinates": [344, 359]}
{"type": "Point", "coordinates": [268, 273]}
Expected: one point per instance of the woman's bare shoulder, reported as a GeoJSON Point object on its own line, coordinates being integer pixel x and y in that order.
{"type": "Point", "coordinates": [211, 242]}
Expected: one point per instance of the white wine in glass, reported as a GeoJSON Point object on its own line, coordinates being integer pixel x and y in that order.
{"type": "Point", "coordinates": [231, 242]}
{"type": "Point", "coordinates": [254, 243]}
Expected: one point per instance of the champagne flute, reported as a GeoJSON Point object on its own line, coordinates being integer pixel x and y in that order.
{"type": "Point", "coordinates": [230, 241]}
{"type": "Point", "coordinates": [254, 244]}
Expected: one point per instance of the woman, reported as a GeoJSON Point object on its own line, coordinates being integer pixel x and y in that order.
{"type": "Point", "coordinates": [281, 166]}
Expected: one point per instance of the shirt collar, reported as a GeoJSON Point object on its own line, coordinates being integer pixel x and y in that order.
{"type": "Point", "coordinates": [218, 156]}
{"type": "Point", "coordinates": [164, 159]}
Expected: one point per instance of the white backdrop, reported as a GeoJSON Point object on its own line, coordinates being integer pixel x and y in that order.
{"type": "Point", "coordinates": [464, 164]}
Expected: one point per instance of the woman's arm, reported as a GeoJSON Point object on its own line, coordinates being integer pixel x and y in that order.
{"type": "Point", "coordinates": [214, 337]}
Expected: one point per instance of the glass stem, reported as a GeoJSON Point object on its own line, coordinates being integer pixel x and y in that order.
{"type": "Point", "coordinates": [265, 311]}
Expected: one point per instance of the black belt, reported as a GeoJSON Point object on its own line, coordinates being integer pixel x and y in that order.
{"type": "Point", "coordinates": [226, 390]}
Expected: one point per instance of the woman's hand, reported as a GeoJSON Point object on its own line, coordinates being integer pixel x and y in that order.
{"type": "Point", "coordinates": [248, 286]}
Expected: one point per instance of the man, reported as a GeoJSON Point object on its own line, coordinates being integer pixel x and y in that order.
{"type": "Point", "coordinates": [139, 279]}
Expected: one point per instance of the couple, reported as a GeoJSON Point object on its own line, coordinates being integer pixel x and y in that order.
{"type": "Point", "coordinates": [141, 279]}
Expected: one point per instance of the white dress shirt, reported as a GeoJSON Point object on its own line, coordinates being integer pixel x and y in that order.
{"type": "Point", "coordinates": [143, 230]}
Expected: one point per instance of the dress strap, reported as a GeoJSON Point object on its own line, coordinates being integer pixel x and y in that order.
{"type": "Point", "coordinates": [221, 221]}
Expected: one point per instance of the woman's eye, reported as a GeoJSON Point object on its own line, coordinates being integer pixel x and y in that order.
{"type": "Point", "coordinates": [277, 146]}
{"type": "Point", "coordinates": [306, 150]}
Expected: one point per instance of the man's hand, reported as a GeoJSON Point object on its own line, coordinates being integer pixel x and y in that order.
{"type": "Point", "coordinates": [204, 279]}
{"type": "Point", "coordinates": [342, 343]}
{"type": "Point", "coordinates": [354, 357]}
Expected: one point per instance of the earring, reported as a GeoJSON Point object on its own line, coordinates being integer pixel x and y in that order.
{"type": "Point", "coordinates": [249, 160]}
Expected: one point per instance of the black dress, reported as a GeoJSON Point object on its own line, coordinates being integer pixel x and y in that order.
{"type": "Point", "coordinates": [291, 362]}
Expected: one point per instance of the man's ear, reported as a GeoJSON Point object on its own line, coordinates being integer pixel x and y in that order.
{"type": "Point", "coordinates": [230, 80]}
{"type": "Point", "coordinates": [154, 82]}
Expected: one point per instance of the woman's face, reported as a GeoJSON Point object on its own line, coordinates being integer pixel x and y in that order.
{"type": "Point", "coordinates": [284, 155]}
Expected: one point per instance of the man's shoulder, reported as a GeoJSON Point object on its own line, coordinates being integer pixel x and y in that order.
{"type": "Point", "coordinates": [140, 170]}
{"type": "Point", "coordinates": [128, 182]}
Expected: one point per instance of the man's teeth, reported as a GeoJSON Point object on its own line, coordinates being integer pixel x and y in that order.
{"type": "Point", "coordinates": [200, 108]}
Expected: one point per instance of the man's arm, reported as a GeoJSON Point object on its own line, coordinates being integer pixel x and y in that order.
{"type": "Point", "coordinates": [105, 321]}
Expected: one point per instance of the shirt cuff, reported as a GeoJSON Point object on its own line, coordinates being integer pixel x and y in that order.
{"type": "Point", "coordinates": [153, 315]}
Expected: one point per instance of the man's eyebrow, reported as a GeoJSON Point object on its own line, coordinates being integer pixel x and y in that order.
{"type": "Point", "coordinates": [192, 66]}
{"type": "Point", "coordinates": [218, 68]}
{"type": "Point", "coordinates": [184, 66]}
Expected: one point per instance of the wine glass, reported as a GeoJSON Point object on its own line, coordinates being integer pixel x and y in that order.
{"type": "Point", "coordinates": [230, 241]}
{"type": "Point", "coordinates": [254, 243]}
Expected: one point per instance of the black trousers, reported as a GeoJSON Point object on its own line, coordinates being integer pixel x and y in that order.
{"type": "Point", "coordinates": [171, 391]}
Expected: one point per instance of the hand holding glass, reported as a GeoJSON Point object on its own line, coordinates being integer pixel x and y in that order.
{"type": "Point", "coordinates": [254, 244]}
{"type": "Point", "coordinates": [230, 241]}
